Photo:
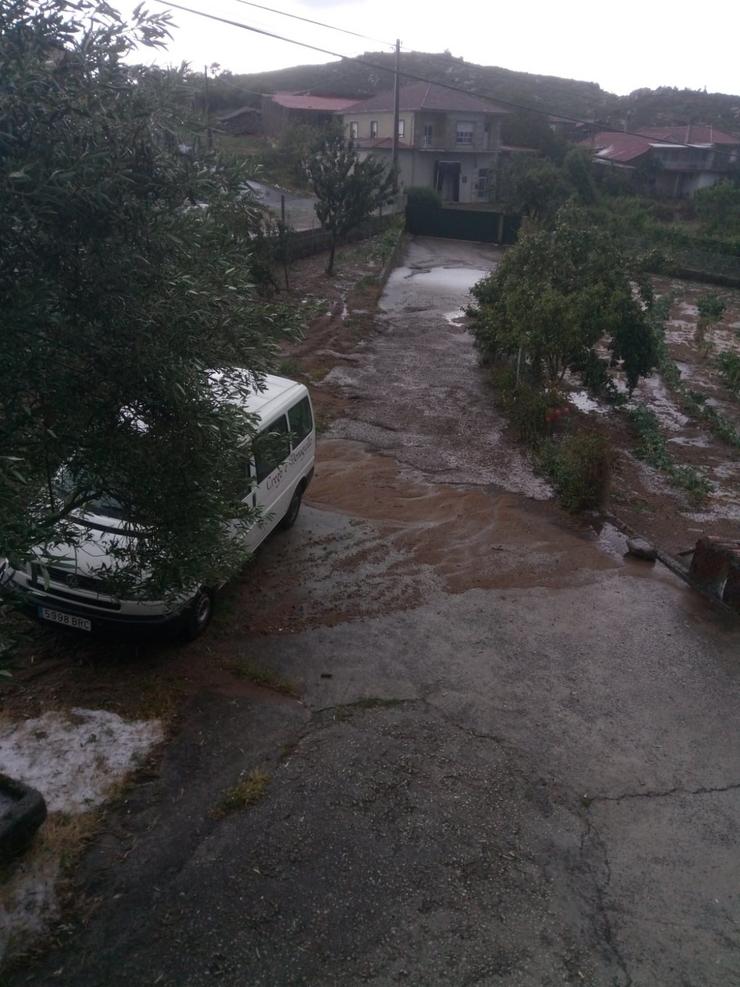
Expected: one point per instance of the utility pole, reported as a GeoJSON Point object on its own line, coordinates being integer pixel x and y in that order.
{"type": "Point", "coordinates": [207, 102]}
{"type": "Point", "coordinates": [396, 112]}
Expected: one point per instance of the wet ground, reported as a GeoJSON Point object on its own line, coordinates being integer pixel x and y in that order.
{"type": "Point", "coordinates": [513, 760]}
{"type": "Point", "coordinates": [643, 496]}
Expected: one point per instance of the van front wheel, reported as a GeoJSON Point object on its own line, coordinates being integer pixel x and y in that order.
{"type": "Point", "coordinates": [291, 515]}
{"type": "Point", "coordinates": [198, 615]}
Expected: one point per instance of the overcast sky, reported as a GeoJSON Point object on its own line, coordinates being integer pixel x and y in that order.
{"type": "Point", "coordinates": [623, 46]}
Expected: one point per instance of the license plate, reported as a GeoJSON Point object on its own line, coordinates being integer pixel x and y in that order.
{"type": "Point", "coordinates": [67, 619]}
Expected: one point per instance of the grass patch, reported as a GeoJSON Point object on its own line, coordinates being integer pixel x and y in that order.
{"type": "Point", "coordinates": [579, 467]}
{"type": "Point", "coordinates": [652, 449]}
{"type": "Point", "coordinates": [246, 793]}
{"type": "Point", "coordinates": [159, 698]}
{"type": "Point", "coordinates": [729, 369]}
{"type": "Point", "coordinates": [264, 677]}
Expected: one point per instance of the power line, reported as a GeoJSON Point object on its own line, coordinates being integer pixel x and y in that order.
{"type": "Point", "coordinates": [420, 78]}
{"type": "Point", "coordinates": [358, 59]}
{"type": "Point", "coordinates": [308, 20]}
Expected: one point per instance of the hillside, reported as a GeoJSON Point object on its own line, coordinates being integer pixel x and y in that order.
{"type": "Point", "coordinates": [568, 97]}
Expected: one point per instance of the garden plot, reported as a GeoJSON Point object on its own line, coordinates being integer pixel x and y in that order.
{"type": "Point", "coordinates": [678, 476]}
{"type": "Point", "coordinates": [697, 413]}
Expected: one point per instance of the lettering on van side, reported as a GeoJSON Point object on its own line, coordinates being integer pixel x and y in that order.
{"type": "Point", "coordinates": [276, 477]}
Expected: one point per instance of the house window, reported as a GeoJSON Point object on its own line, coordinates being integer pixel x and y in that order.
{"type": "Point", "coordinates": [484, 182]}
{"type": "Point", "coordinates": [428, 134]}
{"type": "Point", "coordinates": [401, 128]}
{"type": "Point", "coordinates": [354, 128]}
{"type": "Point", "coordinates": [373, 128]}
{"type": "Point", "coordinates": [464, 133]}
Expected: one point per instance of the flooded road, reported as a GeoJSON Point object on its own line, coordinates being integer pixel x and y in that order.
{"type": "Point", "coordinates": [418, 391]}
{"type": "Point", "coordinates": [512, 761]}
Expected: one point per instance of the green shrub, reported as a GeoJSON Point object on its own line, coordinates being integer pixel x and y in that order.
{"type": "Point", "coordinates": [421, 195]}
{"type": "Point", "coordinates": [653, 450]}
{"type": "Point", "coordinates": [729, 368]}
{"type": "Point", "coordinates": [525, 405]}
{"type": "Point", "coordinates": [579, 467]}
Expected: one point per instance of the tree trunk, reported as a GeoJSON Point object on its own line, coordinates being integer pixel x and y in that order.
{"type": "Point", "coordinates": [332, 251]}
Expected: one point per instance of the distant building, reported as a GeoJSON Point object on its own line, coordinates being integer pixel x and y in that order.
{"type": "Point", "coordinates": [447, 140]}
{"type": "Point", "coordinates": [570, 130]}
{"type": "Point", "coordinates": [283, 110]}
{"type": "Point", "coordinates": [245, 120]}
{"type": "Point", "coordinates": [678, 161]}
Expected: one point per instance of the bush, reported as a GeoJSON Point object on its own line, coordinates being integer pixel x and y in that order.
{"type": "Point", "coordinates": [421, 195]}
{"type": "Point", "coordinates": [579, 467]}
{"type": "Point", "coordinates": [729, 368]}
{"type": "Point", "coordinates": [527, 407]}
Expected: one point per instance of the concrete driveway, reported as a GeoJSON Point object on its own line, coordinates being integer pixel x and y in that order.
{"type": "Point", "coordinates": [299, 209]}
{"type": "Point", "coordinates": [515, 759]}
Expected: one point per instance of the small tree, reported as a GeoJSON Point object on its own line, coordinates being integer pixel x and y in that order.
{"type": "Point", "coordinates": [555, 296]}
{"type": "Point", "coordinates": [578, 169]}
{"type": "Point", "coordinates": [711, 308]}
{"type": "Point", "coordinates": [348, 190]}
{"type": "Point", "coordinates": [535, 187]}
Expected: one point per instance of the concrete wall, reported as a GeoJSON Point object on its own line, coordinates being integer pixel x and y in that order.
{"type": "Point", "coordinates": [385, 125]}
{"type": "Point", "coordinates": [305, 243]}
{"type": "Point", "coordinates": [444, 127]}
{"type": "Point", "coordinates": [419, 168]}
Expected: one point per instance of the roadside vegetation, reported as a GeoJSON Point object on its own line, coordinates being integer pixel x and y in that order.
{"type": "Point", "coordinates": [565, 301]}
{"type": "Point", "coordinates": [572, 305]}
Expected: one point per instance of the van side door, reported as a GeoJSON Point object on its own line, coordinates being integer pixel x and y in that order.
{"type": "Point", "coordinates": [271, 491]}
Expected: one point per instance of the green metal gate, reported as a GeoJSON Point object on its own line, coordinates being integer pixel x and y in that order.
{"type": "Point", "coordinates": [462, 224]}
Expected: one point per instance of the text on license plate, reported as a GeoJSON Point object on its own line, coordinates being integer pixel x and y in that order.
{"type": "Point", "coordinates": [68, 619]}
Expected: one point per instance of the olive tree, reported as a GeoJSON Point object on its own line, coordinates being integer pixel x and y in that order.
{"type": "Point", "coordinates": [347, 190]}
{"type": "Point", "coordinates": [126, 280]}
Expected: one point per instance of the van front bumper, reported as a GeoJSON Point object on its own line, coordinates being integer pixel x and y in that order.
{"type": "Point", "coordinates": [34, 602]}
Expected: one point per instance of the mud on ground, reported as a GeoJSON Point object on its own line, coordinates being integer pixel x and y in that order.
{"type": "Point", "coordinates": [642, 496]}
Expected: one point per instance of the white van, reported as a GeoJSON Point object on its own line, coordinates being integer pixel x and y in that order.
{"type": "Point", "coordinates": [65, 590]}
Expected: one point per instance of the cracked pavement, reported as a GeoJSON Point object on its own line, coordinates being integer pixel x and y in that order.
{"type": "Point", "coordinates": [514, 759]}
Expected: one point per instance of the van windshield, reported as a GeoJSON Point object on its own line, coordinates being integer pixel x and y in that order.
{"type": "Point", "coordinates": [106, 505]}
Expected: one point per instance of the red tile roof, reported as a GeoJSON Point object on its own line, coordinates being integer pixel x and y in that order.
{"type": "Point", "coordinates": [694, 133]}
{"type": "Point", "coordinates": [305, 101]}
{"type": "Point", "coordinates": [427, 96]}
{"type": "Point", "coordinates": [616, 146]}
{"type": "Point", "coordinates": [625, 148]}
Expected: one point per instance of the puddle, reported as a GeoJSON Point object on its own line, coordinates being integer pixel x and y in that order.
{"type": "Point", "coordinates": [612, 541]}
{"type": "Point", "coordinates": [455, 318]}
{"type": "Point", "coordinates": [584, 402]}
{"type": "Point", "coordinates": [653, 392]}
{"type": "Point", "coordinates": [410, 287]}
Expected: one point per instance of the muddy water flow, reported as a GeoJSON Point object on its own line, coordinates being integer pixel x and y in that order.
{"type": "Point", "coordinates": [435, 495]}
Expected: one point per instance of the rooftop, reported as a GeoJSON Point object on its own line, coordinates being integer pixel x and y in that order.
{"type": "Point", "coordinates": [614, 145]}
{"type": "Point", "coordinates": [307, 101]}
{"type": "Point", "coordinates": [427, 96]}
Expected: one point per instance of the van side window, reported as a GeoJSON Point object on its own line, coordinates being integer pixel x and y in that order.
{"type": "Point", "coordinates": [301, 421]}
{"type": "Point", "coordinates": [271, 447]}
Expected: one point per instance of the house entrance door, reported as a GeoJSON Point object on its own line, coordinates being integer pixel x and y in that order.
{"type": "Point", "coordinates": [447, 180]}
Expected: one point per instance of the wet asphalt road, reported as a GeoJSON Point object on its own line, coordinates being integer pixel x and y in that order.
{"type": "Point", "coordinates": [515, 759]}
